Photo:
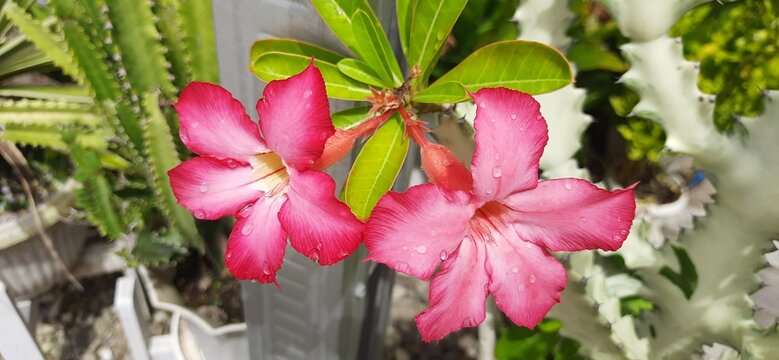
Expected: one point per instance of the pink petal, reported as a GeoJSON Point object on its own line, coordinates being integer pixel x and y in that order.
{"type": "Point", "coordinates": [510, 138]}
{"type": "Point", "coordinates": [319, 226]}
{"type": "Point", "coordinates": [413, 232]}
{"type": "Point", "coordinates": [255, 249]}
{"type": "Point", "coordinates": [295, 117]}
{"type": "Point", "coordinates": [572, 215]}
{"type": "Point", "coordinates": [524, 279]}
{"type": "Point", "coordinates": [214, 123]}
{"type": "Point", "coordinates": [457, 293]}
{"type": "Point", "coordinates": [212, 188]}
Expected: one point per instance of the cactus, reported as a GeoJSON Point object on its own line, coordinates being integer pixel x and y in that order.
{"type": "Point", "coordinates": [714, 305]}
{"type": "Point", "coordinates": [131, 58]}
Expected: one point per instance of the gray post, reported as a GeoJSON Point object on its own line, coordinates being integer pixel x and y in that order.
{"type": "Point", "coordinates": [319, 312]}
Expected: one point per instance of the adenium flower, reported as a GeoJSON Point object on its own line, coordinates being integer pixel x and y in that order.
{"type": "Point", "coordinates": [494, 236]}
{"type": "Point", "coordinates": [262, 174]}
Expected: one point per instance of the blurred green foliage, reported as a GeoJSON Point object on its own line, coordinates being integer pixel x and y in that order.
{"type": "Point", "coordinates": [545, 342]}
{"type": "Point", "coordinates": [737, 45]}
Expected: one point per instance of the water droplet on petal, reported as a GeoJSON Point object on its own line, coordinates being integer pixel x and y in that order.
{"type": "Point", "coordinates": [623, 232]}
{"type": "Point", "coordinates": [497, 172]}
{"type": "Point", "coordinates": [583, 219]}
{"type": "Point", "coordinates": [231, 163]}
{"type": "Point", "coordinates": [195, 125]}
{"type": "Point", "coordinates": [521, 128]}
{"type": "Point", "coordinates": [616, 238]}
{"type": "Point", "coordinates": [229, 255]}
{"type": "Point", "coordinates": [247, 229]}
{"type": "Point", "coordinates": [421, 249]}
{"type": "Point", "coordinates": [203, 187]}
{"type": "Point", "coordinates": [184, 135]}
{"type": "Point", "coordinates": [307, 94]}
{"type": "Point", "coordinates": [532, 278]}
{"type": "Point", "coordinates": [521, 287]}
{"type": "Point", "coordinates": [497, 156]}
{"type": "Point", "coordinates": [405, 248]}
{"type": "Point", "coordinates": [319, 245]}
{"type": "Point", "coordinates": [266, 269]}
{"type": "Point", "coordinates": [568, 186]}
{"type": "Point", "coordinates": [402, 266]}
{"type": "Point", "coordinates": [484, 106]}
{"type": "Point", "coordinates": [513, 116]}
{"type": "Point", "coordinates": [489, 191]}
{"type": "Point", "coordinates": [443, 255]}
{"type": "Point", "coordinates": [200, 214]}
{"type": "Point", "coordinates": [515, 270]}
{"type": "Point", "coordinates": [528, 245]}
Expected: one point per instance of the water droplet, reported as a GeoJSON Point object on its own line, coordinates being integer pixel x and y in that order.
{"type": "Point", "coordinates": [443, 255]}
{"type": "Point", "coordinates": [229, 255]}
{"type": "Point", "coordinates": [521, 287]}
{"type": "Point", "coordinates": [200, 214]}
{"type": "Point", "coordinates": [484, 106]}
{"type": "Point", "coordinates": [439, 36]}
{"type": "Point", "coordinates": [421, 249]}
{"type": "Point", "coordinates": [617, 238]}
{"type": "Point", "coordinates": [195, 125]}
{"type": "Point", "coordinates": [203, 187]}
{"type": "Point", "coordinates": [307, 94]}
{"type": "Point", "coordinates": [568, 186]}
{"type": "Point", "coordinates": [344, 213]}
{"type": "Point", "coordinates": [467, 238]}
{"type": "Point", "coordinates": [513, 116]}
{"type": "Point", "coordinates": [231, 163]}
{"type": "Point", "coordinates": [402, 266]}
{"type": "Point", "coordinates": [623, 232]}
{"type": "Point", "coordinates": [532, 278]}
{"type": "Point", "coordinates": [433, 233]}
{"type": "Point", "coordinates": [340, 11]}
{"type": "Point", "coordinates": [405, 248]}
{"type": "Point", "coordinates": [515, 270]}
{"type": "Point", "coordinates": [497, 172]}
{"type": "Point", "coordinates": [247, 229]}
{"type": "Point", "coordinates": [266, 269]}
{"type": "Point", "coordinates": [528, 245]}
{"type": "Point", "coordinates": [319, 245]}
{"type": "Point", "coordinates": [583, 219]}
{"type": "Point", "coordinates": [521, 128]}
{"type": "Point", "coordinates": [184, 135]}
{"type": "Point", "coordinates": [448, 163]}
{"type": "Point", "coordinates": [497, 156]}
{"type": "Point", "coordinates": [489, 191]}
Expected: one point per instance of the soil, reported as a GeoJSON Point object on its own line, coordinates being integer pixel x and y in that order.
{"type": "Point", "coordinates": [216, 298]}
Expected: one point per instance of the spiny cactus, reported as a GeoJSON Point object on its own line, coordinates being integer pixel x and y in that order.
{"type": "Point", "coordinates": [131, 57]}
{"type": "Point", "coordinates": [707, 300]}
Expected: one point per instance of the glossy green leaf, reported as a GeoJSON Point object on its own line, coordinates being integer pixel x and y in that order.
{"type": "Point", "coordinates": [404, 23]}
{"type": "Point", "coordinates": [359, 71]}
{"type": "Point", "coordinates": [293, 47]}
{"type": "Point", "coordinates": [338, 14]}
{"type": "Point", "coordinates": [376, 167]}
{"type": "Point", "coordinates": [375, 50]}
{"type": "Point", "coordinates": [279, 59]}
{"type": "Point", "coordinates": [350, 117]}
{"type": "Point", "coordinates": [588, 56]}
{"type": "Point", "coordinates": [430, 24]}
{"type": "Point", "coordinates": [519, 65]}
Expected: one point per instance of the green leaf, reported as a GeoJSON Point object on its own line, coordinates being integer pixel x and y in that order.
{"type": "Point", "coordinates": [588, 56]}
{"type": "Point", "coordinates": [338, 15]}
{"type": "Point", "coordinates": [687, 278]}
{"type": "Point", "coordinates": [431, 23]}
{"type": "Point", "coordinates": [519, 65]}
{"type": "Point", "coordinates": [374, 49]}
{"type": "Point", "coordinates": [348, 118]}
{"type": "Point", "coordinates": [162, 155]}
{"type": "Point", "coordinates": [404, 23]}
{"type": "Point", "coordinates": [635, 305]}
{"type": "Point", "coordinates": [359, 71]}
{"type": "Point", "coordinates": [376, 167]}
{"type": "Point", "coordinates": [285, 58]}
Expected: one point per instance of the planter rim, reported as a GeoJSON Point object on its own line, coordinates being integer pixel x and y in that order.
{"type": "Point", "coordinates": [20, 228]}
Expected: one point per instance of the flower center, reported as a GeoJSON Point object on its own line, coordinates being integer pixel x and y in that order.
{"type": "Point", "coordinates": [490, 221]}
{"type": "Point", "coordinates": [270, 173]}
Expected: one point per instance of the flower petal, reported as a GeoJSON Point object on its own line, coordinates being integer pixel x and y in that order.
{"type": "Point", "coordinates": [214, 123]}
{"type": "Point", "coordinates": [525, 280]}
{"type": "Point", "coordinates": [255, 249]}
{"type": "Point", "coordinates": [212, 188]}
{"type": "Point", "coordinates": [413, 232]}
{"type": "Point", "coordinates": [457, 293]}
{"type": "Point", "coordinates": [572, 215]}
{"type": "Point", "coordinates": [319, 226]}
{"type": "Point", "coordinates": [510, 138]}
{"type": "Point", "coordinates": [295, 117]}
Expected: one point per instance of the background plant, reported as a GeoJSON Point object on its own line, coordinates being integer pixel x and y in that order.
{"type": "Point", "coordinates": [129, 60]}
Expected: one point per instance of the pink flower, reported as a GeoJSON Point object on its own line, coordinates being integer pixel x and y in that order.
{"type": "Point", "coordinates": [265, 180]}
{"type": "Point", "coordinates": [495, 236]}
